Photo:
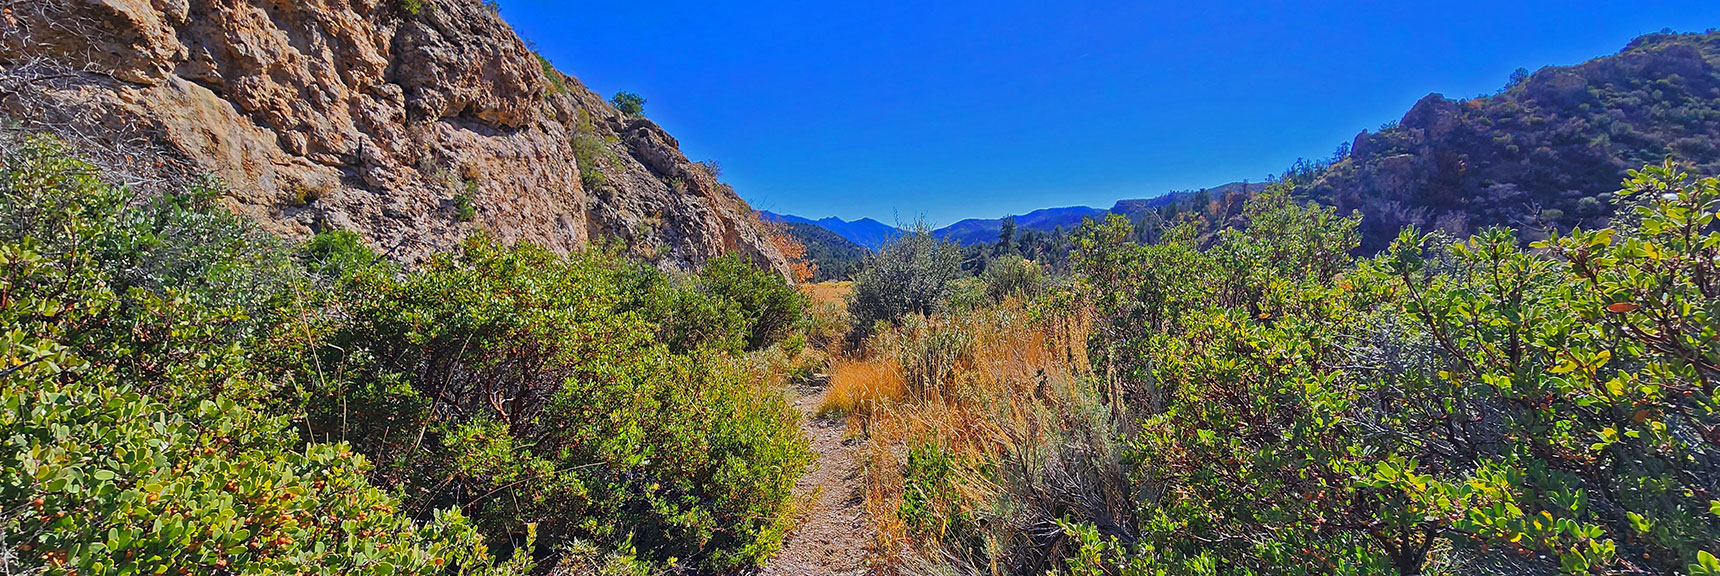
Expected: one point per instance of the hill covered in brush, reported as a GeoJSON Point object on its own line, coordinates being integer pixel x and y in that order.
{"type": "Point", "coordinates": [1548, 150]}
{"type": "Point", "coordinates": [865, 232]}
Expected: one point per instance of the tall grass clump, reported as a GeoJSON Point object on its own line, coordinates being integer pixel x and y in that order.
{"type": "Point", "coordinates": [985, 430]}
{"type": "Point", "coordinates": [862, 386]}
{"type": "Point", "coordinates": [827, 320]}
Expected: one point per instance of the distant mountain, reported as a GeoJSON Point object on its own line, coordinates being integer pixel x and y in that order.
{"type": "Point", "coordinates": [866, 232]}
{"type": "Point", "coordinates": [985, 230]}
{"type": "Point", "coordinates": [980, 230]}
{"type": "Point", "coordinates": [872, 234]}
{"type": "Point", "coordinates": [837, 258]}
{"type": "Point", "coordinates": [1547, 151]}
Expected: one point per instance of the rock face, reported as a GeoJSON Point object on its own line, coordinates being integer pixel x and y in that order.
{"type": "Point", "coordinates": [412, 128]}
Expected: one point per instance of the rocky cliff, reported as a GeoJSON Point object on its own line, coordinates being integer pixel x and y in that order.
{"type": "Point", "coordinates": [411, 122]}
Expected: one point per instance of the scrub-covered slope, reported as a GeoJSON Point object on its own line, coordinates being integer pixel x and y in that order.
{"type": "Point", "coordinates": [1548, 150]}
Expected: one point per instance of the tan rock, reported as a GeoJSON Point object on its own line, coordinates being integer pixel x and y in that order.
{"type": "Point", "coordinates": [353, 114]}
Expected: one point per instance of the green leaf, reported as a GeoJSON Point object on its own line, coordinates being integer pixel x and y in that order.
{"type": "Point", "coordinates": [1706, 565]}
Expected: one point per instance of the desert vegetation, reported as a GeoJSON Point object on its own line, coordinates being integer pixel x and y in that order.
{"type": "Point", "coordinates": [629, 103]}
{"type": "Point", "coordinates": [1459, 345]}
{"type": "Point", "coordinates": [1247, 397]}
{"type": "Point", "coordinates": [1224, 387]}
{"type": "Point", "coordinates": [185, 394]}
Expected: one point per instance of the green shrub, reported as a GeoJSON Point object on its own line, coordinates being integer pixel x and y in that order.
{"type": "Point", "coordinates": [341, 257]}
{"type": "Point", "coordinates": [193, 284]}
{"type": "Point", "coordinates": [928, 486]}
{"type": "Point", "coordinates": [104, 480]}
{"type": "Point", "coordinates": [1012, 276]}
{"type": "Point", "coordinates": [139, 427]}
{"type": "Point", "coordinates": [183, 392]}
{"type": "Point", "coordinates": [1466, 406]}
{"type": "Point", "coordinates": [559, 403]}
{"type": "Point", "coordinates": [592, 178]}
{"type": "Point", "coordinates": [590, 153]}
{"type": "Point", "coordinates": [769, 306]}
{"type": "Point", "coordinates": [629, 103]}
{"type": "Point", "coordinates": [965, 294]}
{"type": "Point", "coordinates": [556, 83]}
{"type": "Point", "coordinates": [912, 274]}
{"type": "Point", "coordinates": [465, 203]}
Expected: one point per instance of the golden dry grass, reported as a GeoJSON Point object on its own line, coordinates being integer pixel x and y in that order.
{"type": "Point", "coordinates": [861, 386]}
{"type": "Point", "coordinates": [826, 314]}
{"type": "Point", "coordinates": [1002, 380]}
{"type": "Point", "coordinates": [835, 292]}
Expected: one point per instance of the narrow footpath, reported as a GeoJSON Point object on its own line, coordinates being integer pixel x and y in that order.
{"type": "Point", "coordinates": [831, 534]}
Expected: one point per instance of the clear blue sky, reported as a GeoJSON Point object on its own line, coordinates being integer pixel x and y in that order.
{"type": "Point", "coordinates": [959, 109]}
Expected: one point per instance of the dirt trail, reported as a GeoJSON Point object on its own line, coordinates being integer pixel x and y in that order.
{"type": "Point", "coordinates": [831, 535]}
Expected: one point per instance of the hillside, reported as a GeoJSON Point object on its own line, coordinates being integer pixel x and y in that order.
{"type": "Point", "coordinates": [413, 123]}
{"type": "Point", "coordinates": [835, 257]}
{"type": "Point", "coordinates": [872, 234]}
{"type": "Point", "coordinates": [1548, 150]}
{"type": "Point", "coordinates": [1047, 220]}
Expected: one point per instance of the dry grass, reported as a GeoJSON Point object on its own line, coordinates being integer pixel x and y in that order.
{"type": "Point", "coordinates": [826, 314]}
{"type": "Point", "coordinates": [992, 389]}
{"type": "Point", "coordinates": [834, 292]}
{"type": "Point", "coordinates": [862, 386]}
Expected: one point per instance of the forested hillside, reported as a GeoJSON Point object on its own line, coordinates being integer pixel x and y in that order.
{"type": "Point", "coordinates": [832, 256]}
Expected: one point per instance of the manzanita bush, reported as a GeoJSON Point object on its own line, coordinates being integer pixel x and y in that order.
{"type": "Point", "coordinates": [1446, 407]}
{"type": "Point", "coordinates": [184, 394]}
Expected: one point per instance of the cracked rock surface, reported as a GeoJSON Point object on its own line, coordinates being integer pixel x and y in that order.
{"type": "Point", "coordinates": [359, 115]}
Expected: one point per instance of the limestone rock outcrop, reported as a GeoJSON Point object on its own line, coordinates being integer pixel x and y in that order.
{"type": "Point", "coordinates": [413, 128]}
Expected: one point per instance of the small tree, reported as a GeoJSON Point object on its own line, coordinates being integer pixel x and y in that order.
{"type": "Point", "coordinates": [1013, 276]}
{"type": "Point", "coordinates": [1519, 76]}
{"type": "Point", "coordinates": [1005, 238]}
{"type": "Point", "coordinates": [629, 103]}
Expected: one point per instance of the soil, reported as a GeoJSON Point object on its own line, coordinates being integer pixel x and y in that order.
{"type": "Point", "coordinates": [831, 535]}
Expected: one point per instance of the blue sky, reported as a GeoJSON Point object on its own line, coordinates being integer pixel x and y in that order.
{"type": "Point", "coordinates": [950, 110]}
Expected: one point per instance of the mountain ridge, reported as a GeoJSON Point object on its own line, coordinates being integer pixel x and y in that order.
{"type": "Point", "coordinates": [972, 231]}
{"type": "Point", "coordinates": [865, 232]}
